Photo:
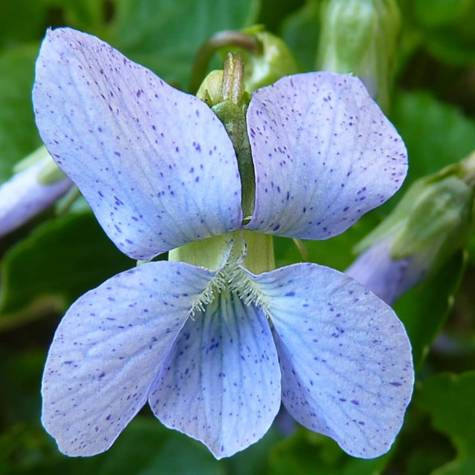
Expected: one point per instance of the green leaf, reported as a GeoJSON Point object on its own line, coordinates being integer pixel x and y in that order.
{"type": "Point", "coordinates": [59, 261]}
{"type": "Point", "coordinates": [20, 372]}
{"type": "Point", "coordinates": [274, 12]}
{"type": "Point", "coordinates": [165, 34]}
{"type": "Point", "coordinates": [446, 28]}
{"type": "Point", "coordinates": [301, 31]}
{"type": "Point", "coordinates": [431, 450]}
{"type": "Point", "coordinates": [21, 21]}
{"type": "Point", "coordinates": [255, 459]}
{"type": "Point", "coordinates": [307, 452]}
{"type": "Point", "coordinates": [25, 450]}
{"type": "Point", "coordinates": [449, 398]}
{"type": "Point", "coordinates": [18, 135]}
{"type": "Point", "coordinates": [425, 308]}
{"type": "Point", "coordinates": [88, 15]}
{"type": "Point", "coordinates": [147, 448]}
{"type": "Point", "coordinates": [144, 448]}
{"type": "Point", "coordinates": [436, 134]}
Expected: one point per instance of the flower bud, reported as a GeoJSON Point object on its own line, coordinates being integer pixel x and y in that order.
{"type": "Point", "coordinates": [273, 61]}
{"type": "Point", "coordinates": [360, 37]}
{"type": "Point", "coordinates": [211, 89]}
{"type": "Point", "coordinates": [430, 224]}
{"type": "Point", "coordinates": [388, 278]}
{"type": "Point", "coordinates": [36, 185]}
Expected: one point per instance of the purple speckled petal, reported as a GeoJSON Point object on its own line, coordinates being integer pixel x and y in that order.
{"type": "Point", "coordinates": [23, 196]}
{"type": "Point", "coordinates": [155, 164]}
{"type": "Point", "coordinates": [221, 383]}
{"type": "Point", "coordinates": [345, 357]}
{"type": "Point", "coordinates": [324, 154]}
{"type": "Point", "coordinates": [108, 350]}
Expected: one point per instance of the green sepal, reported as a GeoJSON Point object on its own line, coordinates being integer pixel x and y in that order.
{"type": "Point", "coordinates": [438, 223]}
{"type": "Point", "coordinates": [433, 218]}
{"type": "Point", "coordinates": [211, 89]}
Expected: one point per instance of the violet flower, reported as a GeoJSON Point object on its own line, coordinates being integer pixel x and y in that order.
{"type": "Point", "coordinates": [27, 193]}
{"type": "Point", "coordinates": [214, 351]}
{"type": "Point", "coordinates": [428, 226]}
{"type": "Point", "coordinates": [388, 278]}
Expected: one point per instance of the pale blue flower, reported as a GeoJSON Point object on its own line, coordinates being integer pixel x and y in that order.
{"type": "Point", "coordinates": [215, 351]}
{"type": "Point", "coordinates": [428, 226]}
{"type": "Point", "coordinates": [388, 278]}
{"type": "Point", "coordinates": [25, 195]}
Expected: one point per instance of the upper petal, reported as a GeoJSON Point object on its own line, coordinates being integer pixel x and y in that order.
{"type": "Point", "coordinates": [108, 350]}
{"type": "Point", "coordinates": [221, 383]}
{"type": "Point", "coordinates": [324, 154]}
{"type": "Point", "coordinates": [155, 164]}
{"type": "Point", "coordinates": [346, 360]}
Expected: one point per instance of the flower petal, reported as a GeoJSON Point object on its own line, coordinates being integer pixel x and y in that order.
{"type": "Point", "coordinates": [345, 357]}
{"type": "Point", "coordinates": [324, 154]}
{"type": "Point", "coordinates": [155, 164]}
{"type": "Point", "coordinates": [23, 197]}
{"type": "Point", "coordinates": [221, 384]}
{"type": "Point", "coordinates": [108, 350]}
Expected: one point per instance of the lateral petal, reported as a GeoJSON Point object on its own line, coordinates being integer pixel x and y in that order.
{"type": "Point", "coordinates": [108, 350]}
{"type": "Point", "coordinates": [345, 357]}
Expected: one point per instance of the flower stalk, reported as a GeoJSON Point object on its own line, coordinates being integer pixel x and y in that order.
{"type": "Point", "coordinates": [222, 39]}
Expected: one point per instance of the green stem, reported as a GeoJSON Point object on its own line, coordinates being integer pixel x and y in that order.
{"type": "Point", "coordinates": [233, 79]}
{"type": "Point", "coordinates": [219, 40]}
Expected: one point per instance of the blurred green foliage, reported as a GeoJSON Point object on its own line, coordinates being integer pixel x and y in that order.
{"type": "Point", "coordinates": [50, 262]}
{"type": "Point", "coordinates": [18, 135]}
{"type": "Point", "coordinates": [456, 393]}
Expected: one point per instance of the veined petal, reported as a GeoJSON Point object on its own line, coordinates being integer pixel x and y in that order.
{"type": "Point", "coordinates": [108, 350]}
{"type": "Point", "coordinates": [345, 357]}
{"type": "Point", "coordinates": [155, 164]}
{"type": "Point", "coordinates": [324, 154]}
{"type": "Point", "coordinates": [221, 383]}
{"type": "Point", "coordinates": [24, 196]}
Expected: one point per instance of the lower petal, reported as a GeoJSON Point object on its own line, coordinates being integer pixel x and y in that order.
{"type": "Point", "coordinates": [221, 383]}
{"type": "Point", "coordinates": [346, 360]}
{"type": "Point", "coordinates": [108, 350]}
